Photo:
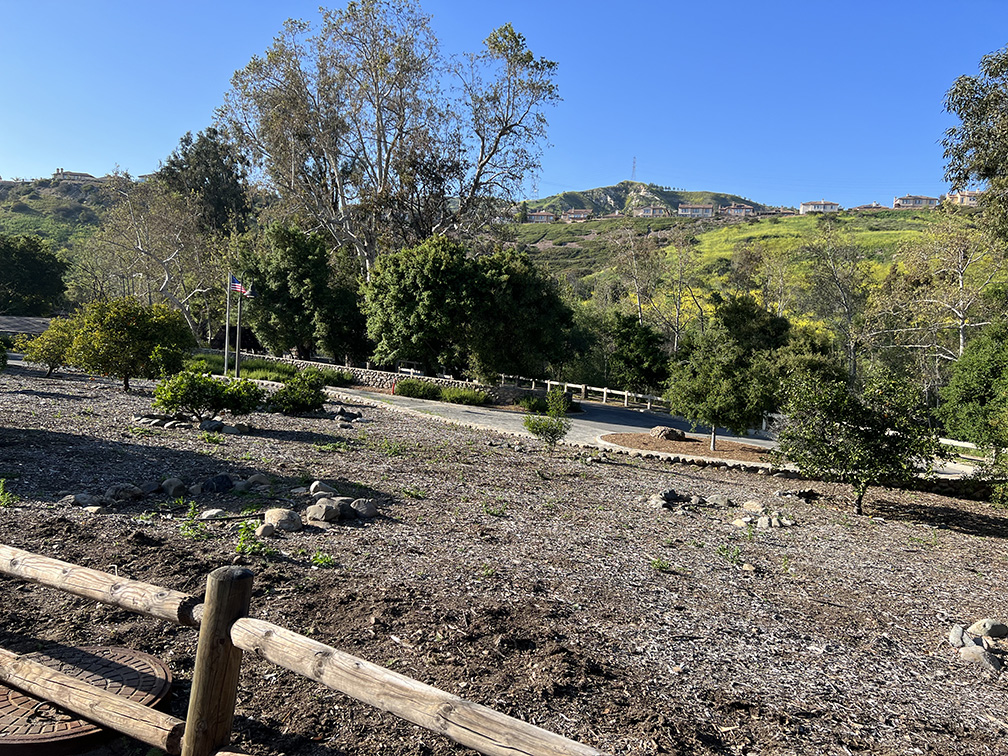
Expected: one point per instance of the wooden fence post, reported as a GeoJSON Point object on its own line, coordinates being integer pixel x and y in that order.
{"type": "Point", "coordinates": [215, 672]}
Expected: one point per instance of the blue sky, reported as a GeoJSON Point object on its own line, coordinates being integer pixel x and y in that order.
{"type": "Point", "coordinates": [781, 102]}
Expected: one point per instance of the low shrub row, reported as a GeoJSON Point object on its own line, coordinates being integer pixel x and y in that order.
{"type": "Point", "coordinates": [426, 390]}
{"type": "Point", "coordinates": [199, 394]}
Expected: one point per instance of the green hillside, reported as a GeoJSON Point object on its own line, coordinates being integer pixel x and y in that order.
{"type": "Point", "coordinates": [627, 195]}
{"type": "Point", "coordinates": [63, 212]}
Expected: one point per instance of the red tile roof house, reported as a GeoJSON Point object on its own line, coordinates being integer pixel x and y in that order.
{"type": "Point", "coordinates": [737, 210]}
{"type": "Point", "coordinates": [651, 211]}
{"type": "Point", "coordinates": [575, 214]}
{"type": "Point", "coordinates": [914, 202]}
{"type": "Point", "coordinates": [541, 216]}
{"type": "Point", "coordinates": [822, 206]}
{"type": "Point", "coordinates": [696, 211]}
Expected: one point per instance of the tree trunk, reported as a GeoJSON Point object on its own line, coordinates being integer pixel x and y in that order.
{"type": "Point", "coordinates": [860, 490]}
{"type": "Point", "coordinates": [713, 437]}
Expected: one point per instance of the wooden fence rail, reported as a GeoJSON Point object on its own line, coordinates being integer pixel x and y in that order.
{"type": "Point", "coordinates": [225, 631]}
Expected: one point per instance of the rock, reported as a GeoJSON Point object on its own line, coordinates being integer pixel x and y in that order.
{"type": "Point", "coordinates": [96, 510]}
{"type": "Point", "coordinates": [284, 519]}
{"type": "Point", "coordinates": [258, 480]}
{"type": "Point", "coordinates": [67, 501]}
{"type": "Point", "coordinates": [218, 484]}
{"type": "Point", "coordinates": [323, 511]}
{"type": "Point", "coordinates": [195, 489]}
{"type": "Point", "coordinates": [763, 523]}
{"type": "Point", "coordinates": [742, 522]}
{"type": "Point", "coordinates": [265, 530]}
{"type": "Point", "coordinates": [318, 486]}
{"type": "Point", "coordinates": [211, 426]}
{"type": "Point", "coordinates": [241, 429]}
{"type": "Point", "coordinates": [665, 433]}
{"type": "Point", "coordinates": [775, 522]}
{"type": "Point", "coordinates": [230, 430]}
{"type": "Point", "coordinates": [173, 487]}
{"type": "Point", "coordinates": [299, 491]}
{"type": "Point", "coordinates": [212, 514]}
{"type": "Point", "coordinates": [955, 636]}
{"type": "Point", "coordinates": [87, 500]}
{"type": "Point", "coordinates": [149, 487]}
{"type": "Point", "coordinates": [748, 567]}
{"type": "Point", "coordinates": [123, 492]}
{"type": "Point", "coordinates": [990, 627]}
{"type": "Point", "coordinates": [697, 501]}
{"type": "Point", "coordinates": [786, 522]}
{"type": "Point", "coordinates": [979, 655]}
{"type": "Point", "coordinates": [365, 508]}
{"type": "Point", "coordinates": [719, 500]}
{"type": "Point", "coordinates": [242, 486]}
{"type": "Point", "coordinates": [753, 506]}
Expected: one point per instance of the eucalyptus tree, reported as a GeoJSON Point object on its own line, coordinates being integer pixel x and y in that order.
{"type": "Point", "coordinates": [361, 125]}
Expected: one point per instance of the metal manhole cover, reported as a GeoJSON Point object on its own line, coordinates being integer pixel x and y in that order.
{"type": "Point", "coordinates": [28, 724]}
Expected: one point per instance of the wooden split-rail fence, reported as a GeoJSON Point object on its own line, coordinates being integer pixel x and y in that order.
{"type": "Point", "coordinates": [225, 631]}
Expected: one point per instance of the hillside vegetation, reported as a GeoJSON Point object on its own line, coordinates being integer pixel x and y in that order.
{"type": "Point", "coordinates": [62, 212]}
{"type": "Point", "coordinates": [627, 195]}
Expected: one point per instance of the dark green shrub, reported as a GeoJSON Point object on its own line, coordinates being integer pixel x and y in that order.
{"type": "Point", "coordinates": [458, 395]}
{"type": "Point", "coordinates": [243, 396]}
{"type": "Point", "coordinates": [336, 378]}
{"type": "Point", "coordinates": [417, 389]}
{"type": "Point", "coordinates": [302, 393]}
{"type": "Point", "coordinates": [192, 393]}
{"type": "Point", "coordinates": [532, 403]}
{"type": "Point", "coordinates": [554, 425]}
{"type": "Point", "coordinates": [3, 356]}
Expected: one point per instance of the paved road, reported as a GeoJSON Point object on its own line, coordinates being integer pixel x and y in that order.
{"type": "Point", "coordinates": [595, 420]}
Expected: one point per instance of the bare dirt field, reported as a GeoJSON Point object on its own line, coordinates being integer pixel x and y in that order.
{"type": "Point", "coordinates": [543, 585]}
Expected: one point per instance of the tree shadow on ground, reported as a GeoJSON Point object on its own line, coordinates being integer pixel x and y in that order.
{"type": "Point", "coordinates": [993, 524]}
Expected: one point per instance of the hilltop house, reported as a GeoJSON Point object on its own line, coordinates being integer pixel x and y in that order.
{"type": "Point", "coordinates": [820, 206]}
{"type": "Point", "coordinates": [737, 210]}
{"type": "Point", "coordinates": [541, 216]}
{"type": "Point", "coordinates": [696, 211]}
{"type": "Point", "coordinates": [651, 211]}
{"type": "Point", "coordinates": [965, 198]}
{"type": "Point", "coordinates": [61, 175]}
{"type": "Point", "coordinates": [914, 202]}
{"type": "Point", "coordinates": [575, 214]}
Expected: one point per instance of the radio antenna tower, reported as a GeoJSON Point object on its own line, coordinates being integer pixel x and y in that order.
{"type": "Point", "coordinates": [633, 173]}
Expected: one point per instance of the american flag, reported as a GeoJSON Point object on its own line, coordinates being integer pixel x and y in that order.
{"type": "Point", "coordinates": [238, 286]}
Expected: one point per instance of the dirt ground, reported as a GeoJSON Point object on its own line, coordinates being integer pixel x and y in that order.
{"type": "Point", "coordinates": [542, 585]}
{"type": "Point", "coordinates": [693, 447]}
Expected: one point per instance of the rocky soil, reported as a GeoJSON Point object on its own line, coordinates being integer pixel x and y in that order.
{"type": "Point", "coordinates": [554, 587]}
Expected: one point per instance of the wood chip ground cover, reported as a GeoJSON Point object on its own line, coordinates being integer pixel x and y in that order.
{"type": "Point", "coordinates": [535, 583]}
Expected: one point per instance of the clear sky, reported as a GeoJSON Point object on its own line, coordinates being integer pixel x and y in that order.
{"type": "Point", "coordinates": [780, 102]}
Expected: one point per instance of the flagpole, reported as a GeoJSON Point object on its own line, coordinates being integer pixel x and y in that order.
{"type": "Point", "coordinates": [238, 341]}
{"type": "Point", "coordinates": [227, 325]}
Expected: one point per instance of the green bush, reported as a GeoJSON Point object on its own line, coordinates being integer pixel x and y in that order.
{"type": "Point", "coordinates": [3, 356]}
{"type": "Point", "coordinates": [302, 393]}
{"type": "Point", "coordinates": [198, 394]}
{"type": "Point", "coordinates": [554, 425]}
{"type": "Point", "coordinates": [336, 378]}
{"type": "Point", "coordinates": [457, 395]}
{"type": "Point", "coordinates": [532, 403]}
{"type": "Point", "coordinates": [52, 347]}
{"type": "Point", "coordinates": [417, 389]}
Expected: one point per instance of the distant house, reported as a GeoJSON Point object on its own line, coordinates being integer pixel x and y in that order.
{"type": "Point", "coordinates": [651, 211]}
{"type": "Point", "coordinates": [872, 206]}
{"type": "Point", "coordinates": [914, 202]}
{"type": "Point", "coordinates": [575, 214]}
{"type": "Point", "coordinates": [541, 216]}
{"type": "Point", "coordinates": [964, 198]}
{"type": "Point", "coordinates": [737, 210]}
{"type": "Point", "coordinates": [696, 211]}
{"type": "Point", "coordinates": [61, 175]}
{"type": "Point", "coordinates": [819, 206]}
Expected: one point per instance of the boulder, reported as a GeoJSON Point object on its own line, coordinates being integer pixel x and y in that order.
{"type": "Point", "coordinates": [665, 433]}
{"type": "Point", "coordinates": [990, 627]}
{"type": "Point", "coordinates": [211, 426]}
{"type": "Point", "coordinates": [319, 487]}
{"type": "Point", "coordinates": [283, 519]}
{"type": "Point", "coordinates": [322, 511]}
{"type": "Point", "coordinates": [979, 655]}
{"type": "Point", "coordinates": [366, 509]}
{"type": "Point", "coordinates": [266, 530]}
{"type": "Point", "coordinates": [218, 484]}
{"type": "Point", "coordinates": [173, 487]}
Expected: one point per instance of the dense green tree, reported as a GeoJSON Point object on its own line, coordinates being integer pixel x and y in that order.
{"type": "Point", "coordinates": [523, 324]}
{"type": "Point", "coordinates": [974, 404]}
{"type": "Point", "coordinates": [639, 361]}
{"type": "Point", "coordinates": [209, 170]}
{"type": "Point", "coordinates": [874, 436]}
{"type": "Point", "coordinates": [125, 339]}
{"type": "Point", "coordinates": [976, 150]}
{"type": "Point", "coordinates": [305, 294]}
{"type": "Point", "coordinates": [420, 305]}
{"type": "Point", "coordinates": [31, 276]}
{"type": "Point", "coordinates": [727, 375]}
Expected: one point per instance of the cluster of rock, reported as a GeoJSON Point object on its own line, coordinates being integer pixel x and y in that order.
{"type": "Point", "coordinates": [326, 509]}
{"type": "Point", "coordinates": [977, 643]}
{"type": "Point", "coordinates": [217, 425]}
{"type": "Point", "coordinates": [759, 515]}
{"type": "Point", "coordinates": [171, 487]}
